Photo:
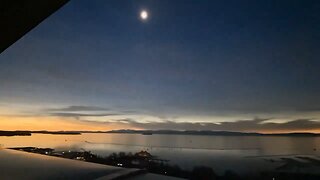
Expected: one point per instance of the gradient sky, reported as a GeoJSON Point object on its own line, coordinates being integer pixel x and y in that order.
{"type": "Point", "coordinates": [194, 64]}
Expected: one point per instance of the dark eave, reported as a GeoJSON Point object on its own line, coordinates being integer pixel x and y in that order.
{"type": "Point", "coordinates": [18, 17]}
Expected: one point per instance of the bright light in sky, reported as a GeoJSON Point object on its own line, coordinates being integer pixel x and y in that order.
{"type": "Point", "coordinates": [144, 15]}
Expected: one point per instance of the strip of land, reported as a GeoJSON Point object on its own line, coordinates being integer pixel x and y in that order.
{"type": "Point", "coordinates": [164, 132]}
{"type": "Point", "coordinates": [208, 133]}
{"type": "Point", "coordinates": [15, 133]}
{"type": "Point", "coordinates": [29, 133]}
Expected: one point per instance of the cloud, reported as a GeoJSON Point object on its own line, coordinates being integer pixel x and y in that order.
{"type": "Point", "coordinates": [78, 108]}
{"type": "Point", "coordinates": [80, 111]}
{"type": "Point", "coordinates": [95, 115]}
{"type": "Point", "coordinates": [67, 114]}
{"type": "Point", "coordinates": [308, 109]}
{"type": "Point", "coordinates": [127, 121]}
{"type": "Point", "coordinates": [254, 125]}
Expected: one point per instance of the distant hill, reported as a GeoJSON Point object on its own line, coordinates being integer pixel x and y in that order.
{"type": "Point", "coordinates": [206, 133]}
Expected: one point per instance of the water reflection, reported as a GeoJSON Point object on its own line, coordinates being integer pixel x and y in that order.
{"type": "Point", "coordinates": [218, 152]}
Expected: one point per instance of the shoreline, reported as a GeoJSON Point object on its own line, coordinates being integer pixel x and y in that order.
{"type": "Point", "coordinates": [163, 132]}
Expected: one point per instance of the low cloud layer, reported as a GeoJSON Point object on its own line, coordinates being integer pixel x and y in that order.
{"type": "Point", "coordinates": [61, 114]}
{"type": "Point", "coordinates": [80, 111]}
{"type": "Point", "coordinates": [254, 125]}
{"type": "Point", "coordinates": [77, 108]}
{"type": "Point", "coordinates": [105, 117]}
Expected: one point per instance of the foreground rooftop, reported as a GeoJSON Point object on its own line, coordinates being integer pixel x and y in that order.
{"type": "Point", "coordinates": [23, 165]}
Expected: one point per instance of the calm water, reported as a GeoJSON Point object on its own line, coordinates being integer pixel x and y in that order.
{"type": "Point", "coordinates": [240, 154]}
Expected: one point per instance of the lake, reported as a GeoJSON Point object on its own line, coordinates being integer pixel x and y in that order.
{"type": "Point", "coordinates": [242, 154]}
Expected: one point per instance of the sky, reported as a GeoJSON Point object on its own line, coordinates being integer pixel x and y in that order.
{"type": "Point", "coordinates": [231, 65]}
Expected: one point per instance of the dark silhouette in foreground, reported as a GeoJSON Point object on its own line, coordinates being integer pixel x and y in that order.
{"type": "Point", "coordinates": [144, 160]}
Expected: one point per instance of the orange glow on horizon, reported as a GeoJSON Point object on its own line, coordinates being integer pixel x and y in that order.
{"type": "Point", "coordinates": [35, 123]}
{"type": "Point", "coordinates": [12, 123]}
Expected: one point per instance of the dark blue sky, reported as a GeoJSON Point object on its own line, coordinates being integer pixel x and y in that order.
{"type": "Point", "coordinates": [206, 59]}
